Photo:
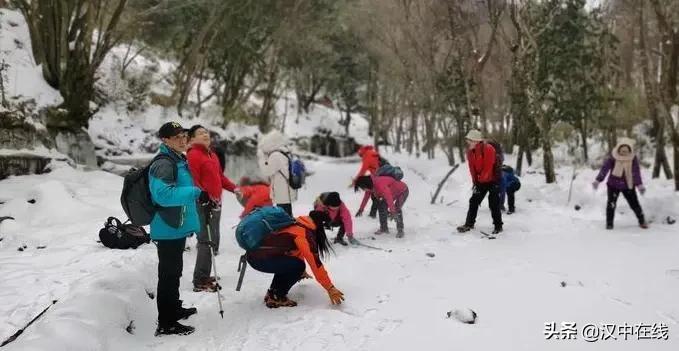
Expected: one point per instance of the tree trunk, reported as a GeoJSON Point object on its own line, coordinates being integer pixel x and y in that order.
{"type": "Point", "coordinates": [548, 158]}
{"type": "Point", "coordinates": [460, 137]}
{"type": "Point", "coordinates": [519, 160]}
{"type": "Point", "coordinates": [661, 161]}
{"type": "Point", "coordinates": [264, 118]}
{"type": "Point", "coordinates": [412, 138]}
{"type": "Point", "coordinates": [675, 149]}
{"type": "Point", "coordinates": [347, 121]}
{"type": "Point", "coordinates": [450, 151]}
{"type": "Point", "coordinates": [583, 136]}
{"type": "Point", "coordinates": [399, 134]}
{"type": "Point", "coordinates": [652, 99]}
{"type": "Point", "coordinates": [529, 156]}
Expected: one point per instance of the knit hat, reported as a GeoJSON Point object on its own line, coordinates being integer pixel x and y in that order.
{"type": "Point", "coordinates": [474, 135]}
{"type": "Point", "coordinates": [332, 199]}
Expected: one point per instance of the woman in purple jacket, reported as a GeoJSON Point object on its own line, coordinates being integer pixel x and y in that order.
{"type": "Point", "coordinates": [625, 178]}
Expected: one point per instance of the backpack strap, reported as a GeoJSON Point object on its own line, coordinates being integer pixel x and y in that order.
{"type": "Point", "coordinates": [112, 221]}
{"type": "Point", "coordinates": [164, 156]}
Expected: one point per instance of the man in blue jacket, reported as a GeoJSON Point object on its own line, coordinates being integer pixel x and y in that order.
{"type": "Point", "coordinates": [172, 189]}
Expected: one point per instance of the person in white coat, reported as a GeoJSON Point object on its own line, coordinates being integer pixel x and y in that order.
{"type": "Point", "coordinates": [273, 162]}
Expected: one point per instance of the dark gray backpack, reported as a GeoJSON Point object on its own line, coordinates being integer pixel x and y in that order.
{"type": "Point", "coordinates": [136, 196]}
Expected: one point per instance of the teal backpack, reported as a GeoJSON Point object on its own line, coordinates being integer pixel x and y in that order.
{"type": "Point", "coordinates": [260, 223]}
{"type": "Point", "coordinates": [390, 171]}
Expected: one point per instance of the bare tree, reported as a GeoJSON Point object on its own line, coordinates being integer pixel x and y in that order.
{"type": "Point", "coordinates": [70, 39]}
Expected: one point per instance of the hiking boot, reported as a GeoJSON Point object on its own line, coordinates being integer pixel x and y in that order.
{"type": "Point", "coordinates": [340, 241]}
{"type": "Point", "coordinates": [185, 313]}
{"type": "Point", "coordinates": [381, 231]}
{"type": "Point", "coordinates": [497, 230]}
{"type": "Point", "coordinates": [174, 329]}
{"type": "Point", "coordinates": [643, 225]}
{"type": "Point", "coordinates": [400, 234]}
{"type": "Point", "coordinates": [464, 228]}
{"type": "Point", "coordinates": [205, 285]}
{"type": "Point", "coordinates": [511, 210]}
{"type": "Point", "coordinates": [609, 226]}
{"type": "Point", "coordinates": [353, 241]}
{"type": "Point", "coordinates": [271, 300]}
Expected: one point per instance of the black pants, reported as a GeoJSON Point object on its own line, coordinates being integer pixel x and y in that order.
{"type": "Point", "coordinates": [480, 191]}
{"type": "Point", "coordinates": [203, 250]}
{"type": "Point", "coordinates": [340, 224]}
{"type": "Point", "coordinates": [510, 195]}
{"type": "Point", "coordinates": [631, 197]}
{"type": "Point", "coordinates": [286, 207]}
{"type": "Point", "coordinates": [170, 265]}
{"type": "Point", "coordinates": [374, 205]}
{"type": "Point", "coordinates": [383, 210]}
{"type": "Point", "coordinates": [287, 271]}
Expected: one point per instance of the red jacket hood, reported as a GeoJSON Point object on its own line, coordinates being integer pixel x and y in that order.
{"type": "Point", "coordinates": [363, 149]}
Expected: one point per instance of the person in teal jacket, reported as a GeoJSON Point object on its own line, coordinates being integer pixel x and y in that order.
{"type": "Point", "coordinates": [173, 190]}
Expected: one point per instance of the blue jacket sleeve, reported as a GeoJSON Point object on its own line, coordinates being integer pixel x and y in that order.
{"type": "Point", "coordinates": [164, 189]}
{"type": "Point", "coordinates": [503, 188]}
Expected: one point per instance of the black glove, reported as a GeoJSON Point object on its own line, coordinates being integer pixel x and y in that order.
{"type": "Point", "coordinates": [204, 198]}
{"type": "Point", "coordinates": [359, 213]}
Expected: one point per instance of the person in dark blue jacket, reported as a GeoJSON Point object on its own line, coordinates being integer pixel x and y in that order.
{"type": "Point", "coordinates": [509, 185]}
{"type": "Point", "coordinates": [173, 190]}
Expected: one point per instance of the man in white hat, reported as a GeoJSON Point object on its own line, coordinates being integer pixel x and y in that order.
{"type": "Point", "coordinates": [483, 166]}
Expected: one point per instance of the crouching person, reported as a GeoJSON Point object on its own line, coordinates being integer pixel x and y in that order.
{"type": "Point", "coordinates": [252, 194]}
{"type": "Point", "coordinates": [284, 252]}
{"type": "Point", "coordinates": [391, 195]}
{"type": "Point", "coordinates": [339, 215]}
{"type": "Point", "coordinates": [172, 188]}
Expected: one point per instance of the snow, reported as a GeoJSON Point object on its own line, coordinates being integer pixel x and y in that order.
{"type": "Point", "coordinates": [25, 80]}
{"type": "Point", "coordinates": [552, 264]}
{"type": "Point", "coordinates": [39, 151]}
{"type": "Point", "coordinates": [319, 120]}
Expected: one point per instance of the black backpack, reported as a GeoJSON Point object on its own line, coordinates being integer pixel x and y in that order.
{"type": "Point", "coordinates": [118, 235]}
{"type": "Point", "coordinates": [136, 195]}
{"type": "Point", "coordinates": [499, 159]}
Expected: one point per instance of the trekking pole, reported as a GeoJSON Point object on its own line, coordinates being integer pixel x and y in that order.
{"type": "Point", "coordinates": [20, 331]}
{"type": "Point", "coordinates": [214, 263]}
{"type": "Point", "coordinates": [242, 264]}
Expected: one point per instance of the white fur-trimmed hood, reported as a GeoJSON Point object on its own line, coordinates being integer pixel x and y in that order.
{"type": "Point", "coordinates": [272, 141]}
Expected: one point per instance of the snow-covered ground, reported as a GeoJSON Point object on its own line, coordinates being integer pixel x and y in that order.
{"type": "Point", "coordinates": [553, 264]}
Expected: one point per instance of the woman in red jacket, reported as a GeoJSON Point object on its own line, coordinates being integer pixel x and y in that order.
{"type": "Point", "coordinates": [390, 193]}
{"type": "Point", "coordinates": [482, 162]}
{"type": "Point", "coordinates": [209, 177]}
{"type": "Point", "coordinates": [284, 253]}
{"type": "Point", "coordinates": [370, 163]}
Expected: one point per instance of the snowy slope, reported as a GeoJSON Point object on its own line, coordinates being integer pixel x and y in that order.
{"type": "Point", "coordinates": [24, 77]}
{"type": "Point", "coordinates": [395, 301]}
